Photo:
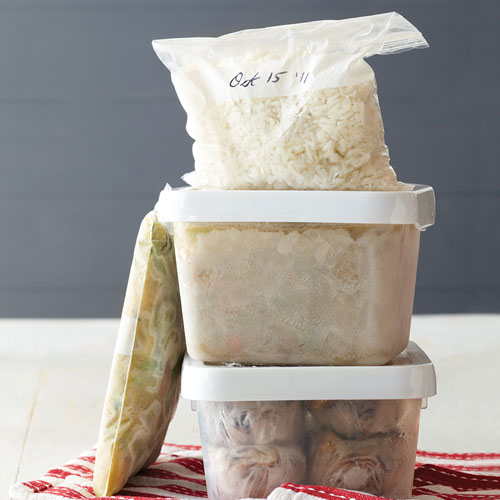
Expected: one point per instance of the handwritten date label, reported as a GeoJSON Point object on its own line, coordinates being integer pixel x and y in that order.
{"type": "Point", "coordinates": [239, 79]}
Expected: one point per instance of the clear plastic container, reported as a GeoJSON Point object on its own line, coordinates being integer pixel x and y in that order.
{"type": "Point", "coordinates": [347, 427]}
{"type": "Point", "coordinates": [297, 277]}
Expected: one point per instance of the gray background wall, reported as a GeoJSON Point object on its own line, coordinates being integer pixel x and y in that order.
{"type": "Point", "coordinates": [91, 129]}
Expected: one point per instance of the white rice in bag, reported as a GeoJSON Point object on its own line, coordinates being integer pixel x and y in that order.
{"type": "Point", "coordinates": [288, 107]}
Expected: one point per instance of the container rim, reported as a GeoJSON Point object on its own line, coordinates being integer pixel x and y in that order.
{"type": "Point", "coordinates": [413, 206]}
{"type": "Point", "coordinates": [414, 380]}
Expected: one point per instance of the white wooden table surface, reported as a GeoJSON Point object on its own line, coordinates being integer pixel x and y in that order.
{"type": "Point", "coordinates": [53, 376]}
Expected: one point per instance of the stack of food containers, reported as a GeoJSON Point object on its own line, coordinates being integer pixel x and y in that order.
{"type": "Point", "coordinates": [302, 278]}
{"type": "Point", "coordinates": [296, 255]}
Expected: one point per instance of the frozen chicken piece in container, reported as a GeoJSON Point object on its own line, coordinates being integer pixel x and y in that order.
{"type": "Point", "coordinates": [366, 445]}
{"type": "Point", "coordinates": [251, 471]}
{"type": "Point", "coordinates": [288, 107]}
{"type": "Point", "coordinates": [143, 387]}
{"type": "Point", "coordinates": [297, 277]}
{"type": "Point", "coordinates": [355, 419]}
{"type": "Point", "coordinates": [254, 422]}
{"type": "Point", "coordinates": [366, 441]}
{"type": "Point", "coordinates": [252, 446]}
{"type": "Point", "coordinates": [382, 465]}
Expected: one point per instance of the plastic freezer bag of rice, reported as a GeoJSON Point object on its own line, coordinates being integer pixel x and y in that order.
{"type": "Point", "coordinates": [288, 107]}
{"type": "Point", "coordinates": [143, 387]}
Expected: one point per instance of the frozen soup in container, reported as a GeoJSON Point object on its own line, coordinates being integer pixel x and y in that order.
{"type": "Point", "coordinates": [297, 277]}
{"type": "Point", "coordinates": [296, 244]}
{"type": "Point", "coordinates": [346, 427]}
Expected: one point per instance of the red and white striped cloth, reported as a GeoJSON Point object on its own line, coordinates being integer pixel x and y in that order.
{"type": "Point", "coordinates": [178, 473]}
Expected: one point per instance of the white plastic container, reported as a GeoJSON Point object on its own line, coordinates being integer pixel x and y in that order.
{"type": "Point", "coordinates": [297, 277]}
{"type": "Point", "coordinates": [351, 427]}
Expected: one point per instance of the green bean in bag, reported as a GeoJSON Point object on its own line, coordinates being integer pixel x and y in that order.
{"type": "Point", "coordinates": [143, 387]}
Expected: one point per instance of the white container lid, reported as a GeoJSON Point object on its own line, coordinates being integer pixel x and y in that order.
{"type": "Point", "coordinates": [415, 206]}
{"type": "Point", "coordinates": [409, 376]}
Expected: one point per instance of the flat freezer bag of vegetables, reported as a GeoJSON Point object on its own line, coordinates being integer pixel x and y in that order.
{"type": "Point", "coordinates": [143, 387]}
{"type": "Point", "coordinates": [288, 107]}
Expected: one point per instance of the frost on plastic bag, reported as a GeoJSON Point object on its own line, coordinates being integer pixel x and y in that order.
{"type": "Point", "coordinates": [143, 388]}
{"type": "Point", "coordinates": [288, 107]}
